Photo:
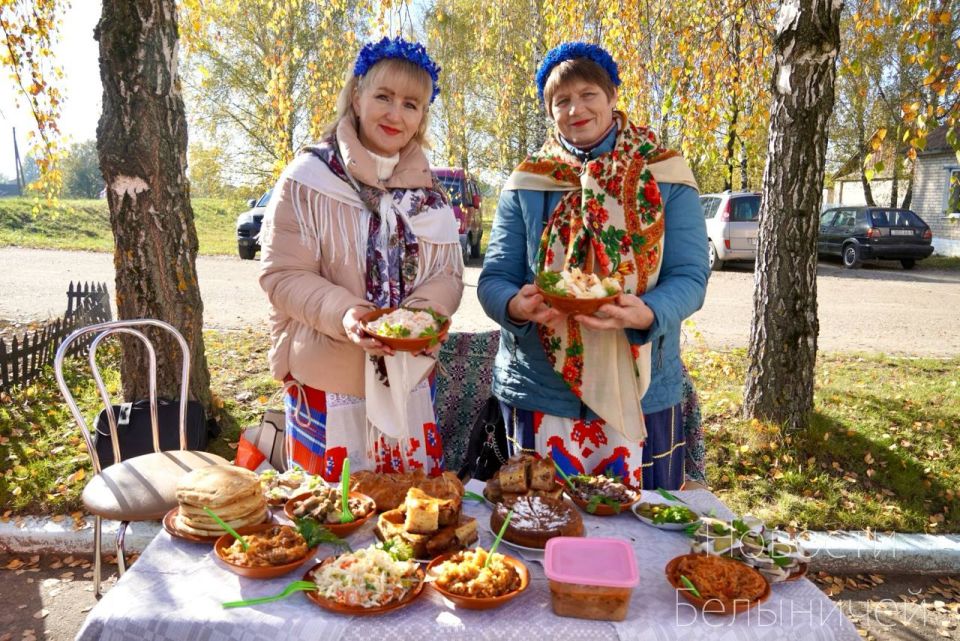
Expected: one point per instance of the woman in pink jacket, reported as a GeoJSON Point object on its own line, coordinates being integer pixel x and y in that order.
{"type": "Point", "coordinates": [356, 223]}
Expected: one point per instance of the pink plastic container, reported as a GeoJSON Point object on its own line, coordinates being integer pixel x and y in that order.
{"type": "Point", "coordinates": [590, 578]}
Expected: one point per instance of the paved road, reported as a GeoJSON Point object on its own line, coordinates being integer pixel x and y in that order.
{"type": "Point", "coordinates": [874, 309]}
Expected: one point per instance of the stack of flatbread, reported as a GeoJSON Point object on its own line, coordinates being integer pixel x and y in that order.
{"type": "Point", "coordinates": [232, 493]}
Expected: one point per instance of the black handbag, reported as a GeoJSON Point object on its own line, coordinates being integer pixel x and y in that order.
{"type": "Point", "coordinates": [134, 432]}
{"type": "Point", "coordinates": [487, 444]}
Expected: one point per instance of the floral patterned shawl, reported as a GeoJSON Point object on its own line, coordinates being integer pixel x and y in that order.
{"type": "Point", "coordinates": [609, 222]}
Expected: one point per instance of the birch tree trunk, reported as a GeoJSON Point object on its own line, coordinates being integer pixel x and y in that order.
{"type": "Point", "coordinates": [142, 143]}
{"type": "Point", "coordinates": [783, 335]}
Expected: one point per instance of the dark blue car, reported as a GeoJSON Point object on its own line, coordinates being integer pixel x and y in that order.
{"type": "Point", "coordinates": [248, 227]}
{"type": "Point", "coordinates": [862, 233]}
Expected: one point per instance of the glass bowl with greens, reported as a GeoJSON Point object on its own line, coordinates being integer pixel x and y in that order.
{"type": "Point", "coordinates": [666, 516]}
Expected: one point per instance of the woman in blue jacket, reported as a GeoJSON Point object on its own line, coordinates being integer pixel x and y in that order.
{"type": "Point", "coordinates": [601, 394]}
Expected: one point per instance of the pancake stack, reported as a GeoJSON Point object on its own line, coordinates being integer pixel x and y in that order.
{"type": "Point", "coordinates": [232, 493]}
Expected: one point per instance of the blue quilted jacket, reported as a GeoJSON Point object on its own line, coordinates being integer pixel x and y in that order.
{"type": "Point", "coordinates": [522, 375]}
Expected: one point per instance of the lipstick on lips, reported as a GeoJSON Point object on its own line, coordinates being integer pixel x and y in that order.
{"type": "Point", "coordinates": [581, 123]}
{"type": "Point", "coordinates": [390, 131]}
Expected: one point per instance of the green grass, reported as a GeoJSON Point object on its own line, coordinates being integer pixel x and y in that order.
{"type": "Point", "coordinates": [85, 224]}
{"type": "Point", "coordinates": [45, 461]}
{"type": "Point", "coordinates": [881, 451]}
{"type": "Point", "coordinates": [940, 262]}
{"type": "Point", "coordinates": [487, 223]}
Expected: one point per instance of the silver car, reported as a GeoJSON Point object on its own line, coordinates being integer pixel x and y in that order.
{"type": "Point", "coordinates": [732, 226]}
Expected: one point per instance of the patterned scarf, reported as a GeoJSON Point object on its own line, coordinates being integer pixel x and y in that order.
{"type": "Point", "coordinates": [392, 253]}
{"type": "Point", "coordinates": [610, 222]}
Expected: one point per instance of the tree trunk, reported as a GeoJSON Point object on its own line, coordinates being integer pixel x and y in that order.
{"type": "Point", "coordinates": [908, 197]}
{"type": "Point", "coordinates": [142, 143]}
{"type": "Point", "coordinates": [744, 174]}
{"type": "Point", "coordinates": [783, 335]}
{"type": "Point", "coordinates": [895, 185]}
{"type": "Point", "coordinates": [734, 117]}
{"type": "Point", "coordinates": [862, 146]}
{"type": "Point", "coordinates": [731, 147]}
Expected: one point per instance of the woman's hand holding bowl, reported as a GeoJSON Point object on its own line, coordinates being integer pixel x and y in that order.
{"type": "Point", "coordinates": [627, 312]}
{"type": "Point", "coordinates": [528, 306]}
{"type": "Point", "coordinates": [355, 334]}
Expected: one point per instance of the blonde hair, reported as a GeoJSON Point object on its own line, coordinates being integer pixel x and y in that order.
{"type": "Point", "coordinates": [576, 69]}
{"type": "Point", "coordinates": [407, 71]}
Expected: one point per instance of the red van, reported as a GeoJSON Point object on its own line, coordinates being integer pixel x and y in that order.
{"type": "Point", "coordinates": [465, 198]}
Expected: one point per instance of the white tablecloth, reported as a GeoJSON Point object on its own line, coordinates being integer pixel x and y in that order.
{"type": "Point", "coordinates": [174, 591]}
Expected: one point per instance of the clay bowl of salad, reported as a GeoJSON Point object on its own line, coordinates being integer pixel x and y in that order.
{"type": "Point", "coordinates": [574, 292]}
{"type": "Point", "coordinates": [405, 329]}
{"type": "Point", "coordinates": [372, 580]}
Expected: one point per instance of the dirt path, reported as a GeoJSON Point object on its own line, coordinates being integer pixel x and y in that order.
{"type": "Point", "coordinates": [874, 309]}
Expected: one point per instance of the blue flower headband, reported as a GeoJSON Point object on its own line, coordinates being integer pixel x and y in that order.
{"type": "Point", "coordinates": [571, 50]}
{"type": "Point", "coordinates": [374, 52]}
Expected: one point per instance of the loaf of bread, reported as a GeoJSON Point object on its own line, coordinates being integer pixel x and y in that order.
{"type": "Point", "coordinates": [389, 490]}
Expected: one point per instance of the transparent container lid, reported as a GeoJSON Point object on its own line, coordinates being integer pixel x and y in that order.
{"type": "Point", "coordinates": [591, 561]}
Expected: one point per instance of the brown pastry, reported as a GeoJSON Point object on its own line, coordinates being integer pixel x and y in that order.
{"type": "Point", "coordinates": [542, 474]}
{"type": "Point", "coordinates": [515, 476]}
{"type": "Point", "coordinates": [390, 490]}
{"type": "Point", "coordinates": [422, 514]}
{"type": "Point", "coordinates": [536, 520]}
{"type": "Point", "coordinates": [493, 492]}
{"type": "Point", "coordinates": [523, 475]}
{"type": "Point", "coordinates": [448, 509]}
{"type": "Point", "coordinates": [430, 526]}
{"type": "Point", "coordinates": [453, 537]}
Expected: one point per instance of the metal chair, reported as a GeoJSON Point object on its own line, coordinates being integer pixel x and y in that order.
{"type": "Point", "coordinates": [142, 488]}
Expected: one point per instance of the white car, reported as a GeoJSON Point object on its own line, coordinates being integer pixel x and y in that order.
{"type": "Point", "coordinates": [732, 226]}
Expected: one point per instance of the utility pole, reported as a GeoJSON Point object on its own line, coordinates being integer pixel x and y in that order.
{"type": "Point", "coordinates": [16, 164]}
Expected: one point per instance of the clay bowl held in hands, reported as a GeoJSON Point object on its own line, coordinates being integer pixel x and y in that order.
{"type": "Point", "coordinates": [340, 529]}
{"type": "Point", "coordinates": [571, 305]}
{"type": "Point", "coordinates": [402, 344]}
{"type": "Point", "coordinates": [259, 572]}
{"type": "Point", "coordinates": [480, 603]}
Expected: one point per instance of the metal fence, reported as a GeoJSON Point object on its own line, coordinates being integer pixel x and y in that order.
{"type": "Point", "coordinates": [24, 357]}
